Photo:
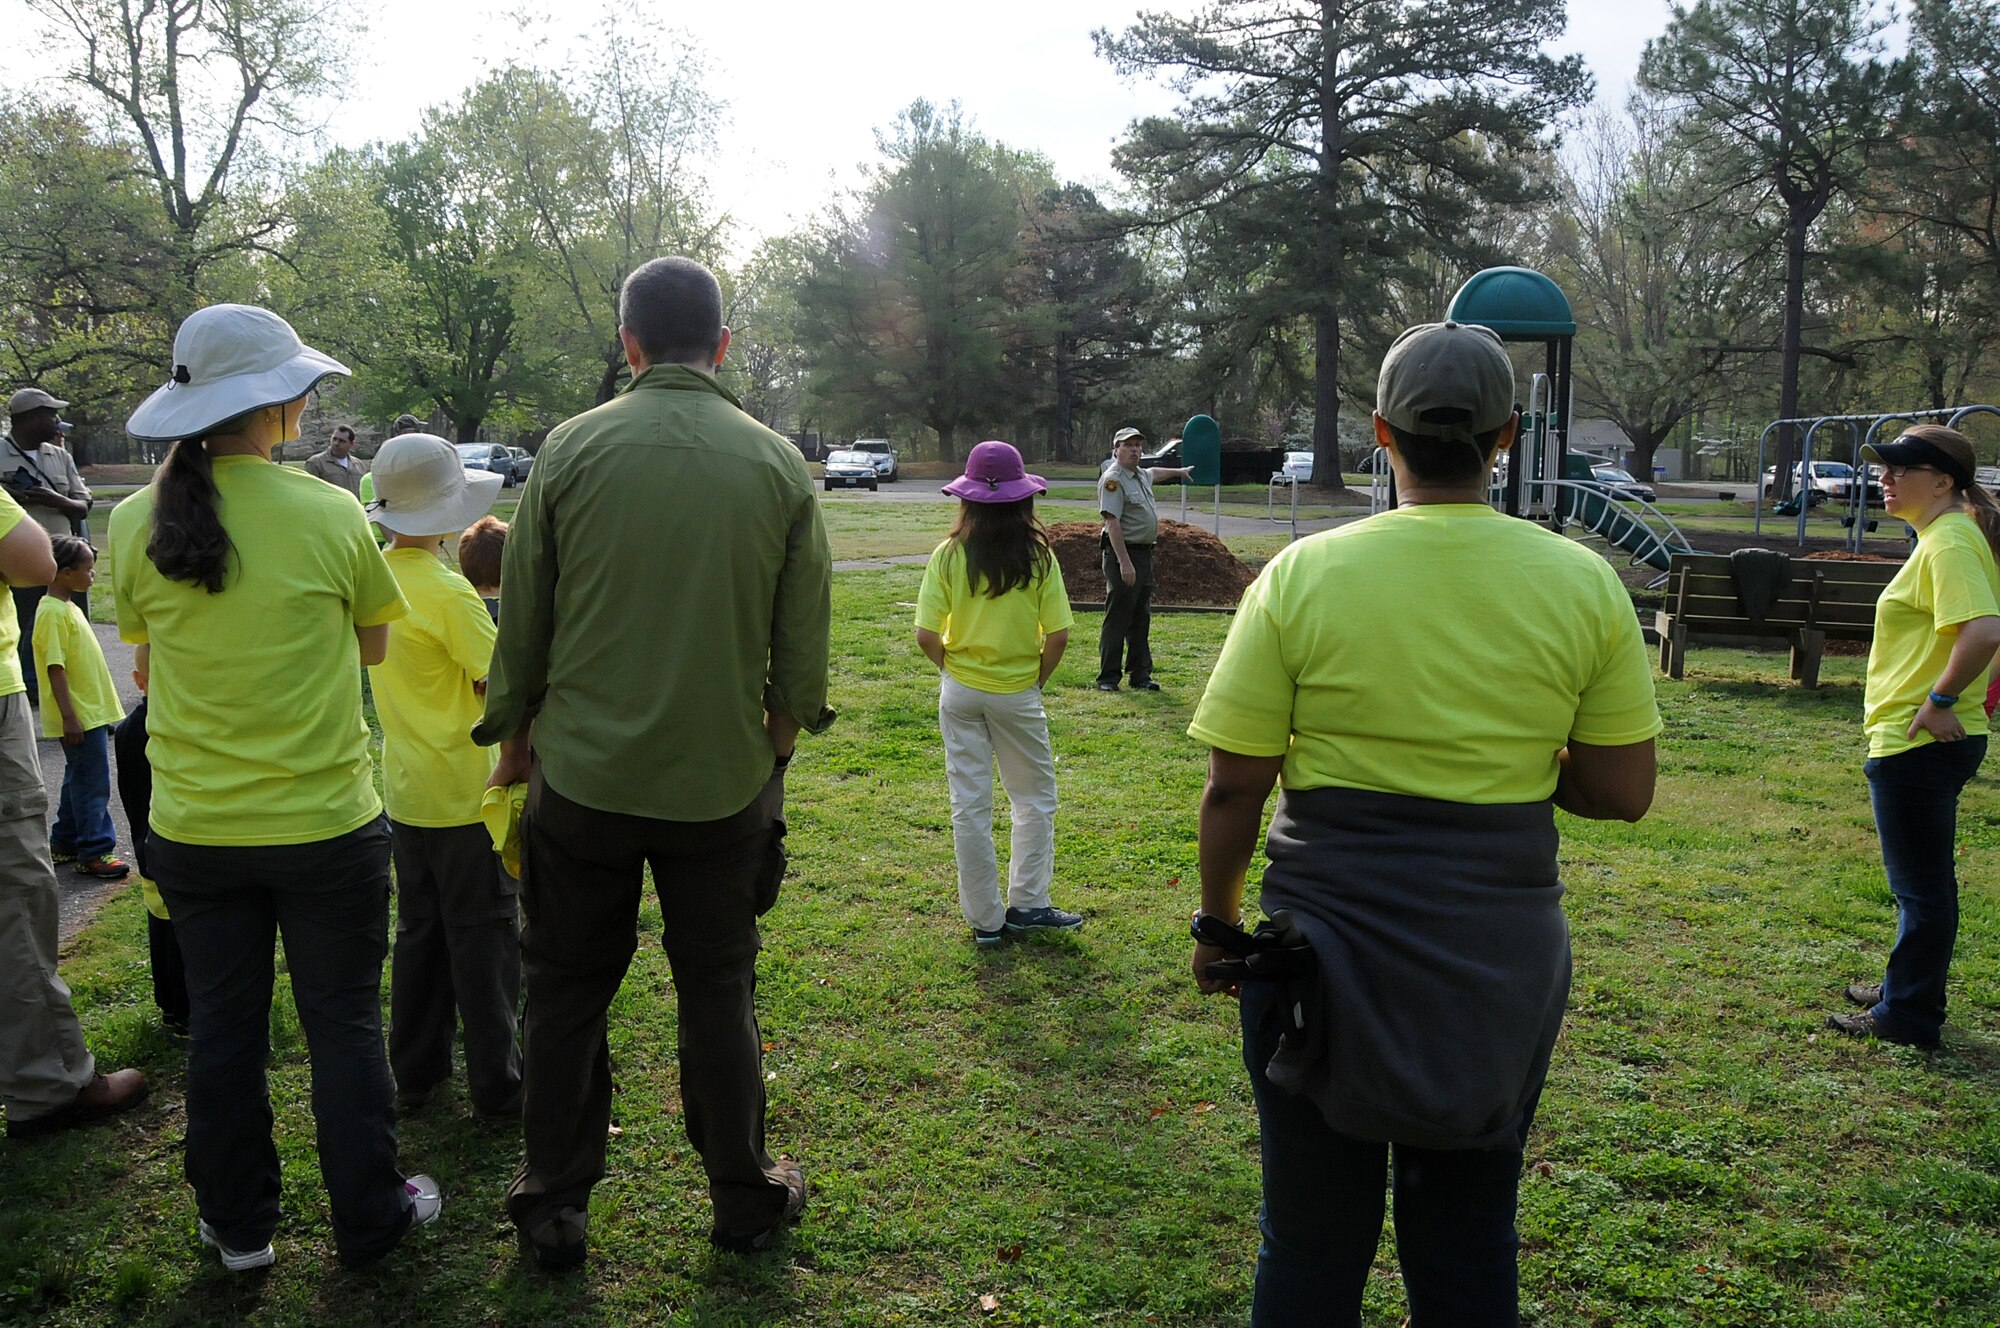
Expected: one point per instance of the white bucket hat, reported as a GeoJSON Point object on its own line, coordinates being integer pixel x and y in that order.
{"type": "Point", "coordinates": [229, 359]}
{"type": "Point", "coordinates": [422, 488]}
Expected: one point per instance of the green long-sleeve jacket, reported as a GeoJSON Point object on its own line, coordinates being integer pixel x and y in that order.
{"type": "Point", "coordinates": [667, 579]}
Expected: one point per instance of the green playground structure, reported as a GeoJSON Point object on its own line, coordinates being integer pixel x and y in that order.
{"type": "Point", "coordinates": [1542, 479]}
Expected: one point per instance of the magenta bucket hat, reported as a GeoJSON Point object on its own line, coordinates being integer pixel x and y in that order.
{"type": "Point", "coordinates": [994, 473]}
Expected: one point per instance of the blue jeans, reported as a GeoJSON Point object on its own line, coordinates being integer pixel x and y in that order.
{"type": "Point", "coordinates": [1915, 795]}
{"type": "Point", "coordinates": [83, 817]}
{"type": "Point", "coordinates": [329, 901]}
{"type": "Point", "coordinates": [1323, 1203]}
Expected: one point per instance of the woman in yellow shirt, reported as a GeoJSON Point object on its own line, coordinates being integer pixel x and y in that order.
{"type": "Point", "coordinates": [1936, 628]}
{"type": "Point", "coordinates": [254, 594]}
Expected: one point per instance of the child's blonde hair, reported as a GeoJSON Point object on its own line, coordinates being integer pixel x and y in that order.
{"type": "Point", "coordinates": [479, 550]}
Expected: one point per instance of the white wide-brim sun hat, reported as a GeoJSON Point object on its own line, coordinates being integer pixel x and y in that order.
{"type": "Point", "coordinates": [422, 488]}
{"type": "Point", "coordinates": [229, 360]}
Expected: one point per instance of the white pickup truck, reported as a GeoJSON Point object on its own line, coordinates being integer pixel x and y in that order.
{"type": "Point", "coordinates": [1827, 479]}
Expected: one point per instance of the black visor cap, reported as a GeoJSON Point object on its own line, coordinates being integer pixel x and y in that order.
{"type": "Point", "coordinates": [1917, 452]}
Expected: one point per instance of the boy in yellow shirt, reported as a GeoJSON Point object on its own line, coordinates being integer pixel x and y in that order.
{"type": "Point", "coordinates": [457, 953]}
{"type": "Point", "coordinates": [79, 706]}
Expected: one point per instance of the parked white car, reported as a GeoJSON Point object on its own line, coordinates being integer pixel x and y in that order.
{"type": "Point", "coordinates": [1298, 467]}
{"type": "Point", "coordinates": [1827, 479]}
{"type": "Point", "coordinates": [883, 456]}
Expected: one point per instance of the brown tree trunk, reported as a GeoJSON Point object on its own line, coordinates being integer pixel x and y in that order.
{"type": "Point", "coordinates": [1798, 221]}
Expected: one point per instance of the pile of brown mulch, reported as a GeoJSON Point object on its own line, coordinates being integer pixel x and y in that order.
{"type": "Point", "coordinates": [1835, 555]}
{"type": "Point", "coordinates": [1190, 566]}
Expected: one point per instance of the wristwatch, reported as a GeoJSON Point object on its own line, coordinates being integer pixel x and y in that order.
{"type": "Point", "coordinates": [1203, 927]}
{"type": "Point", "coordinates": [1943, 701]}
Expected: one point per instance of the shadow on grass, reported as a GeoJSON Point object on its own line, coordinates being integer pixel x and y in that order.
{"type": "Point", "coordinates": [1969, 1057]}
{"type": "Point", "coordinates": [1043, 1013]}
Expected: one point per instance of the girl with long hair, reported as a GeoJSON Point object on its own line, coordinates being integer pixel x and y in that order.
{"type": "Point", "coordinates": [994, 618]}
{"type": "Point", "coordinates": [1937, 625]}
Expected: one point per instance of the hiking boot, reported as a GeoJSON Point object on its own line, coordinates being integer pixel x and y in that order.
{"type": "Point", "coordinates": [755, 1242]}
{"type": "Point", "coordinates": [104, 1095]}
{"type": "Point", "coordinates": [558, 1242]}
{"type": "Point", "coordinates": [1042, 919]}
{"type": "Point", "coordinates": [110, 867]}
{"type": "Point", "coordinates": [1865, 994]}
{"type": "Point", "coordinates": [236, 1261]}
{"type": "Point", "coordinates": [1862, 1025]}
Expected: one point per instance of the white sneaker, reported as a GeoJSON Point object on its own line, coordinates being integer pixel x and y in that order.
{"type": "Point", "coordinates": [236, 1261]}
{"type": "Point", "coordinates": [426, 1200]}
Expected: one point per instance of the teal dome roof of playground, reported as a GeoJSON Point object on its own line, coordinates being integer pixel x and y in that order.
{"type": "Point", "coordinates": [1517, 302]}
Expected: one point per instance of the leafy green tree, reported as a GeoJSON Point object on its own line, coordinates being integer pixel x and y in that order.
{"type": "Point", "coordinates": [603, 168]}
{"type": "Point", "coordinates": [1322, 138]}
{"type": "Point", "coordinates": [1929, 239]}
{"type": "Point", "coordinates": [904, 306]}
{"type": "Point", "coordinates": [201, 87]}
{"type": "Point", "coordinates": [1094, 298]}
{"type": "Point", "coordinates": [83, 244]}
{"type": "Point", "coordinates": [766, 366]}
{"type": "Point", "coordinates": [464, 352]}
{"type": "Point", "coordinates": [1659, 282]}
{"type": "Point", "coordinates": [1783, 99]}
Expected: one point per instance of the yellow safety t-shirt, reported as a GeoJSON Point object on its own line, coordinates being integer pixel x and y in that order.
{"type": "Point", "coordinates": [254, 729]}
{"type": "Point", "coordinates": [433, 774]}
{"type": "Point", "coordinates": [990, 645]}
{"type": "Point", "coordinates": [63, 639]}
{"type": "Point", "coordinates": [12, 514]}
{"type": "Point", "coordinates": [1445, 651]}
{"type": "Point", "coordinates": [1949, 579]}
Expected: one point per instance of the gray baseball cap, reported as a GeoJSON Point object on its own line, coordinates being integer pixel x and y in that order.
{"type": "Point", "coordinates": [33, 398]}
{"type": "Point", "coordinates": [1446, 380]}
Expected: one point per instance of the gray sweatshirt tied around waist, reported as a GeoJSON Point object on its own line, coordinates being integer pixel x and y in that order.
{"type": "Point", "coordinates": [1443, 958]}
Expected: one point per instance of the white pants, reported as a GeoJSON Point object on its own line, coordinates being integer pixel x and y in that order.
{"type": "Point", "coordinates": [980, 728]}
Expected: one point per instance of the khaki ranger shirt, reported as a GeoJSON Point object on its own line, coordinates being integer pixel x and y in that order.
{"type": "Point", "coordinates": [1128, 495]}
{"type": "Point", "coordinates": [322, 466]}
{"type": "Point", "coordinates": [58, 467]}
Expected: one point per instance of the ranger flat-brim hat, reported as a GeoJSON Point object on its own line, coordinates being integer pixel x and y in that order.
{"type": "Point", "coordinates": [229, 360]}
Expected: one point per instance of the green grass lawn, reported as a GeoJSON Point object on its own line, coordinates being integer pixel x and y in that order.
{"type": "Point", "coordinates": [1063, 1124]}
{"type": "Point", "coordinates": [1065, 1127]}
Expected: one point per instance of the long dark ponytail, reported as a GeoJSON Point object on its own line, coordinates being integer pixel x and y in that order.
{"type": "Point", "coordinates": [188, 542]}
{"type": "Point", "coordinates": [1005, 545]}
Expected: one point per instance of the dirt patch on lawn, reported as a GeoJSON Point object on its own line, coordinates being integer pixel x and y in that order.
{"type": "Point", "coordinates": [1190, 566]}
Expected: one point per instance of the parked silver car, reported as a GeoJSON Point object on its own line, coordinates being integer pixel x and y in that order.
{"type": "Point", "coordinates": [488, 456]}
{"type": "Point", "coordinates": [850, 469]}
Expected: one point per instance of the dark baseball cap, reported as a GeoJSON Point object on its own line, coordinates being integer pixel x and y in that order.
{"type": "Point", "coordinates": [1446, 380]}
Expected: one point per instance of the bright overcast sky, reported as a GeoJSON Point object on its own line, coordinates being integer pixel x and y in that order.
{"type": "Point", "coordinates": [808, 84]}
